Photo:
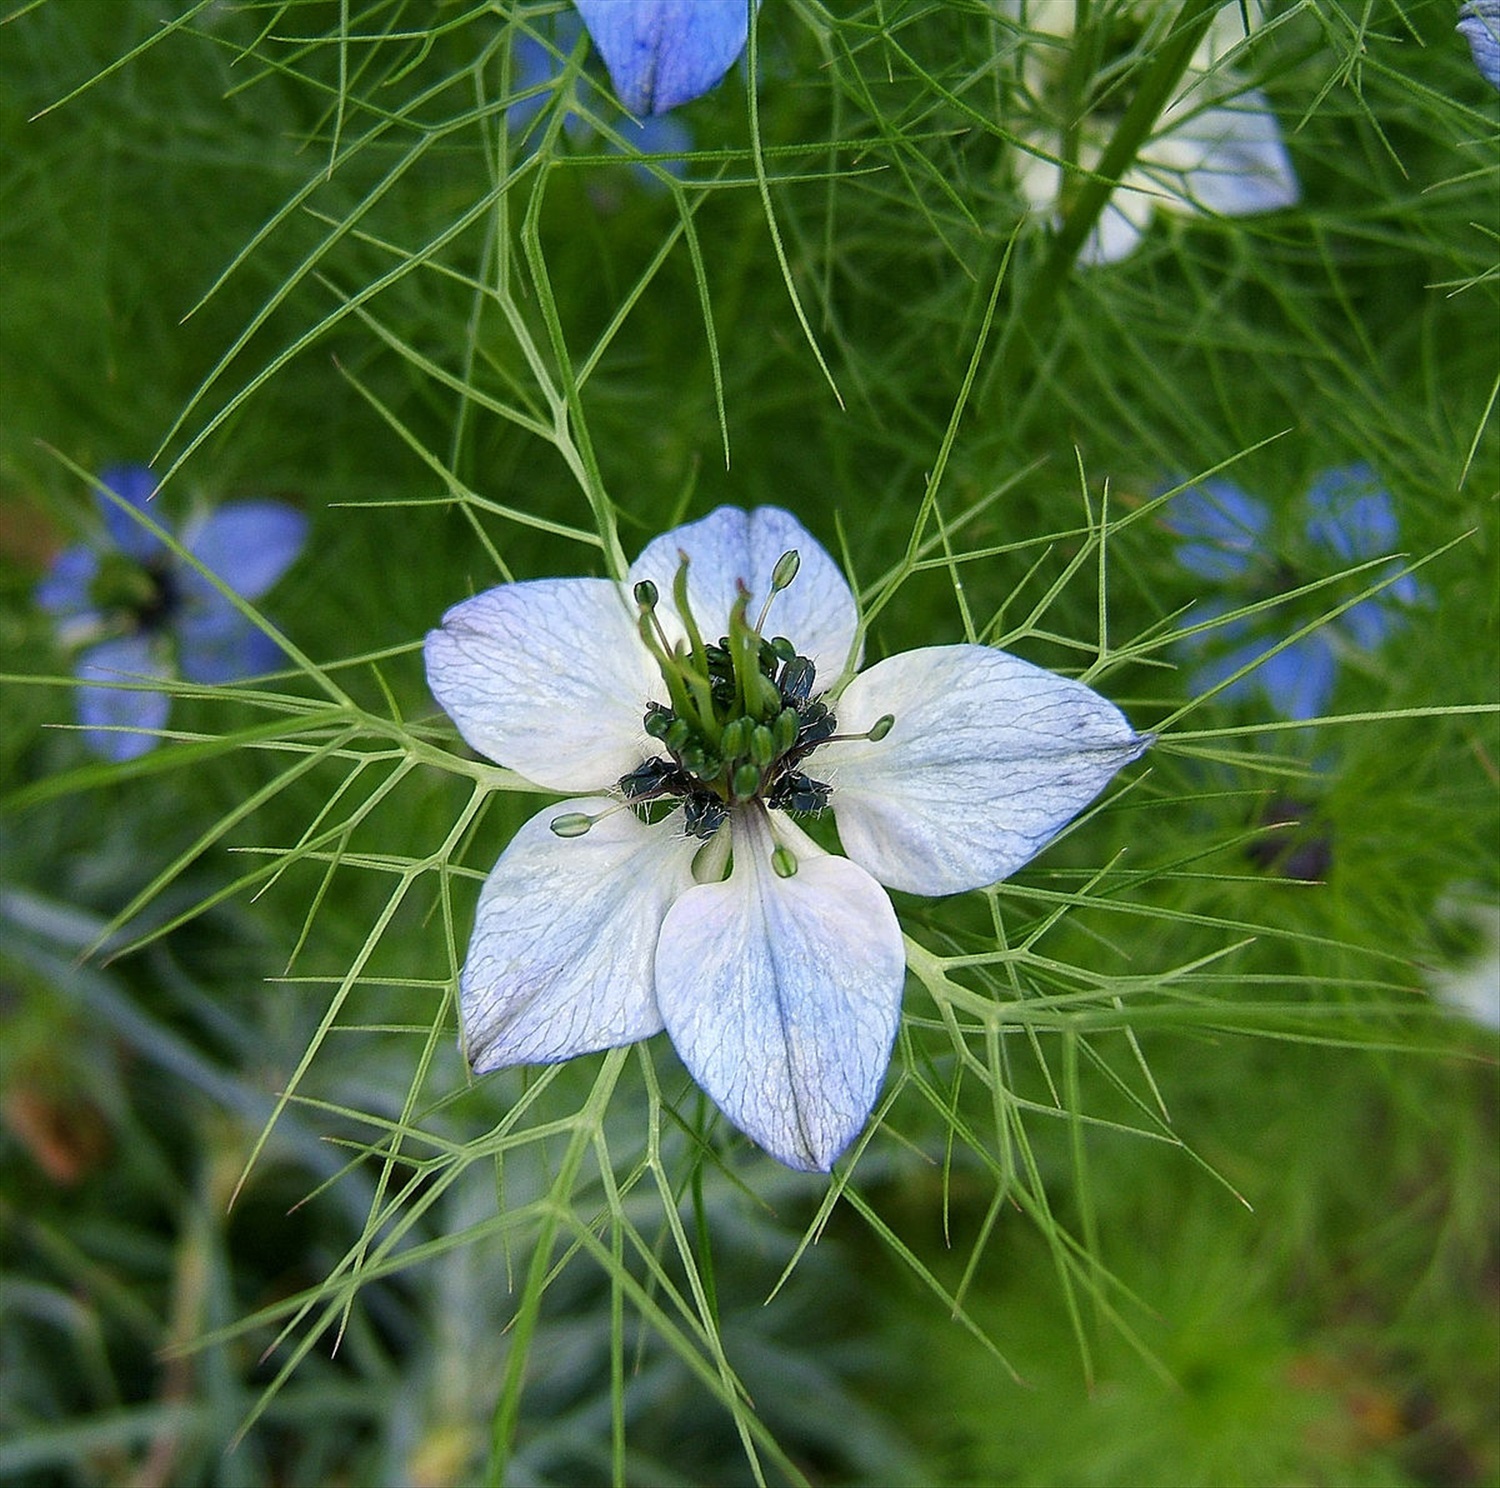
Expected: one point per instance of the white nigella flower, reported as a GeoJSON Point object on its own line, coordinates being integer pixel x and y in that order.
{"type": "Point", "coordinates": [1217, 148]}
{"type": "Point", "coordinates": [1479, 21]}
{"type": "Point", "coordinates": [692, 714]}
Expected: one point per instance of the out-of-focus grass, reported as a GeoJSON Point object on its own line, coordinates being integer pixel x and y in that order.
{"type": "Point", "coordinates": [296, 245]}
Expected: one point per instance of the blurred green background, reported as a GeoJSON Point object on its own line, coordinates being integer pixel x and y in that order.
{"type": "Point", "coordinates": [1239, 1220]}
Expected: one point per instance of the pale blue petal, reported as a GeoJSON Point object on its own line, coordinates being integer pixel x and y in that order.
{"type": "Point", "coordinates": [1351, 514]}
{"type": "Point", "coordinates": [220, 645]}
{"type": "Point", "coordinates": [662, 53]}
{"type": "Point", "coordinates": [990, 757]}
{"type": "Point", "coordinates": [782, 995]}
{"type": "Point", "coordinates": [1118, 231]}
{"type": "Point", "coordinates": [104, 710]}
{"type": "Point", "coordinates": [65, 590]}
{"type": "Point", "coordinates": [1479, 20]}
{"type": "Point", "coordinates": [1229, 159]}
{"type": "Point", "coordinates": [134, 484]}
{"type": "Point", "coordinates": [562, 957]}
{"type": "Point", "coordinates": [1224, 527]}
{"type": "Point", "coordinates": [1299, 680]}
{"type": "Point", "coordinates": [549, 678]}
{"type": "Point", "coordinates": [729, 547]}
{"type": "Point", "coordinates": [248, 544]}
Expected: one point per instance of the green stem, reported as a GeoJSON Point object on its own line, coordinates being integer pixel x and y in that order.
{"type": "Point", "coordinates": [1156, 90]}
{"type": "Point", "coordinates": [558, 1203]}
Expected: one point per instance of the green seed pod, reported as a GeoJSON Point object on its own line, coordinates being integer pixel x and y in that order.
{"type": "Point", "coordinates": [784, 730]}
{"type": "Point", "coordinates": [763, 696]}
{"type": "Point", "coordinates": [735, 741]}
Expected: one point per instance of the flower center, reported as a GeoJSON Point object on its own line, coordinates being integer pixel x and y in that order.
{"type": "Point", "coordinates": [141, 597]}
{"type": "Point", "coordinates": [740, 717]}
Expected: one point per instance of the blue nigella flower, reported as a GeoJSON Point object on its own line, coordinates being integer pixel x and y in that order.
{"type": "Point", "coordinates": [140, 612]}
{"type": "Point", "coordinates": [662, 53]}
{"type": "Point", "coordinates": [1479, 20]}
{"type": "Point", "coordinates": [1228, 542]}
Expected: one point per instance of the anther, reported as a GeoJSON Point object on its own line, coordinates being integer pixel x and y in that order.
{"type": "Point", "coordinates": [572, 823]}
{"type": "Point", "coordinates": [653, 778]}
{"type": "Point", "coordinates": [703, 815]}
{"type": "Point", "coordinates": [799, 792]}
{"type": "Point", "coordinates": [781, 578]}
{"type": "Point", "coordinates": [797, 679]}
{"type": "Point", "coordinates": [785, 571]}
{"type": "Point", "coordinates": [784, 861]}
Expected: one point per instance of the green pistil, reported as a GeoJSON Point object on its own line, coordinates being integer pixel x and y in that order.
{"type": "Point", "coordinates": [740, 720]}
{"type": "Point", "coordinates": [671, 663]}
{"type": "Point", "coordinates": [680, 598]}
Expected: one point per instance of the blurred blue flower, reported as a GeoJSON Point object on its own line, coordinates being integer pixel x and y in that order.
{"type": "Point", "coordinates": [1227, 541]}
{"type": "Point", "coordinates": [657, 136]}
{"type": "Point", "coordinates": [1479, 20]}
{"type": "Point", "coordinates": [140, 612]}
{"type": "Point", "coordinates": [534, 67]}
{"type": "Point", "coordinates": [662, 53]}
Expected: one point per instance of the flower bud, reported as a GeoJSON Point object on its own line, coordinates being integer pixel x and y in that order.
{"type": "Point", "coordinates": [762, 745]}
{"type": "Point", "coordinates": [736, 738]}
